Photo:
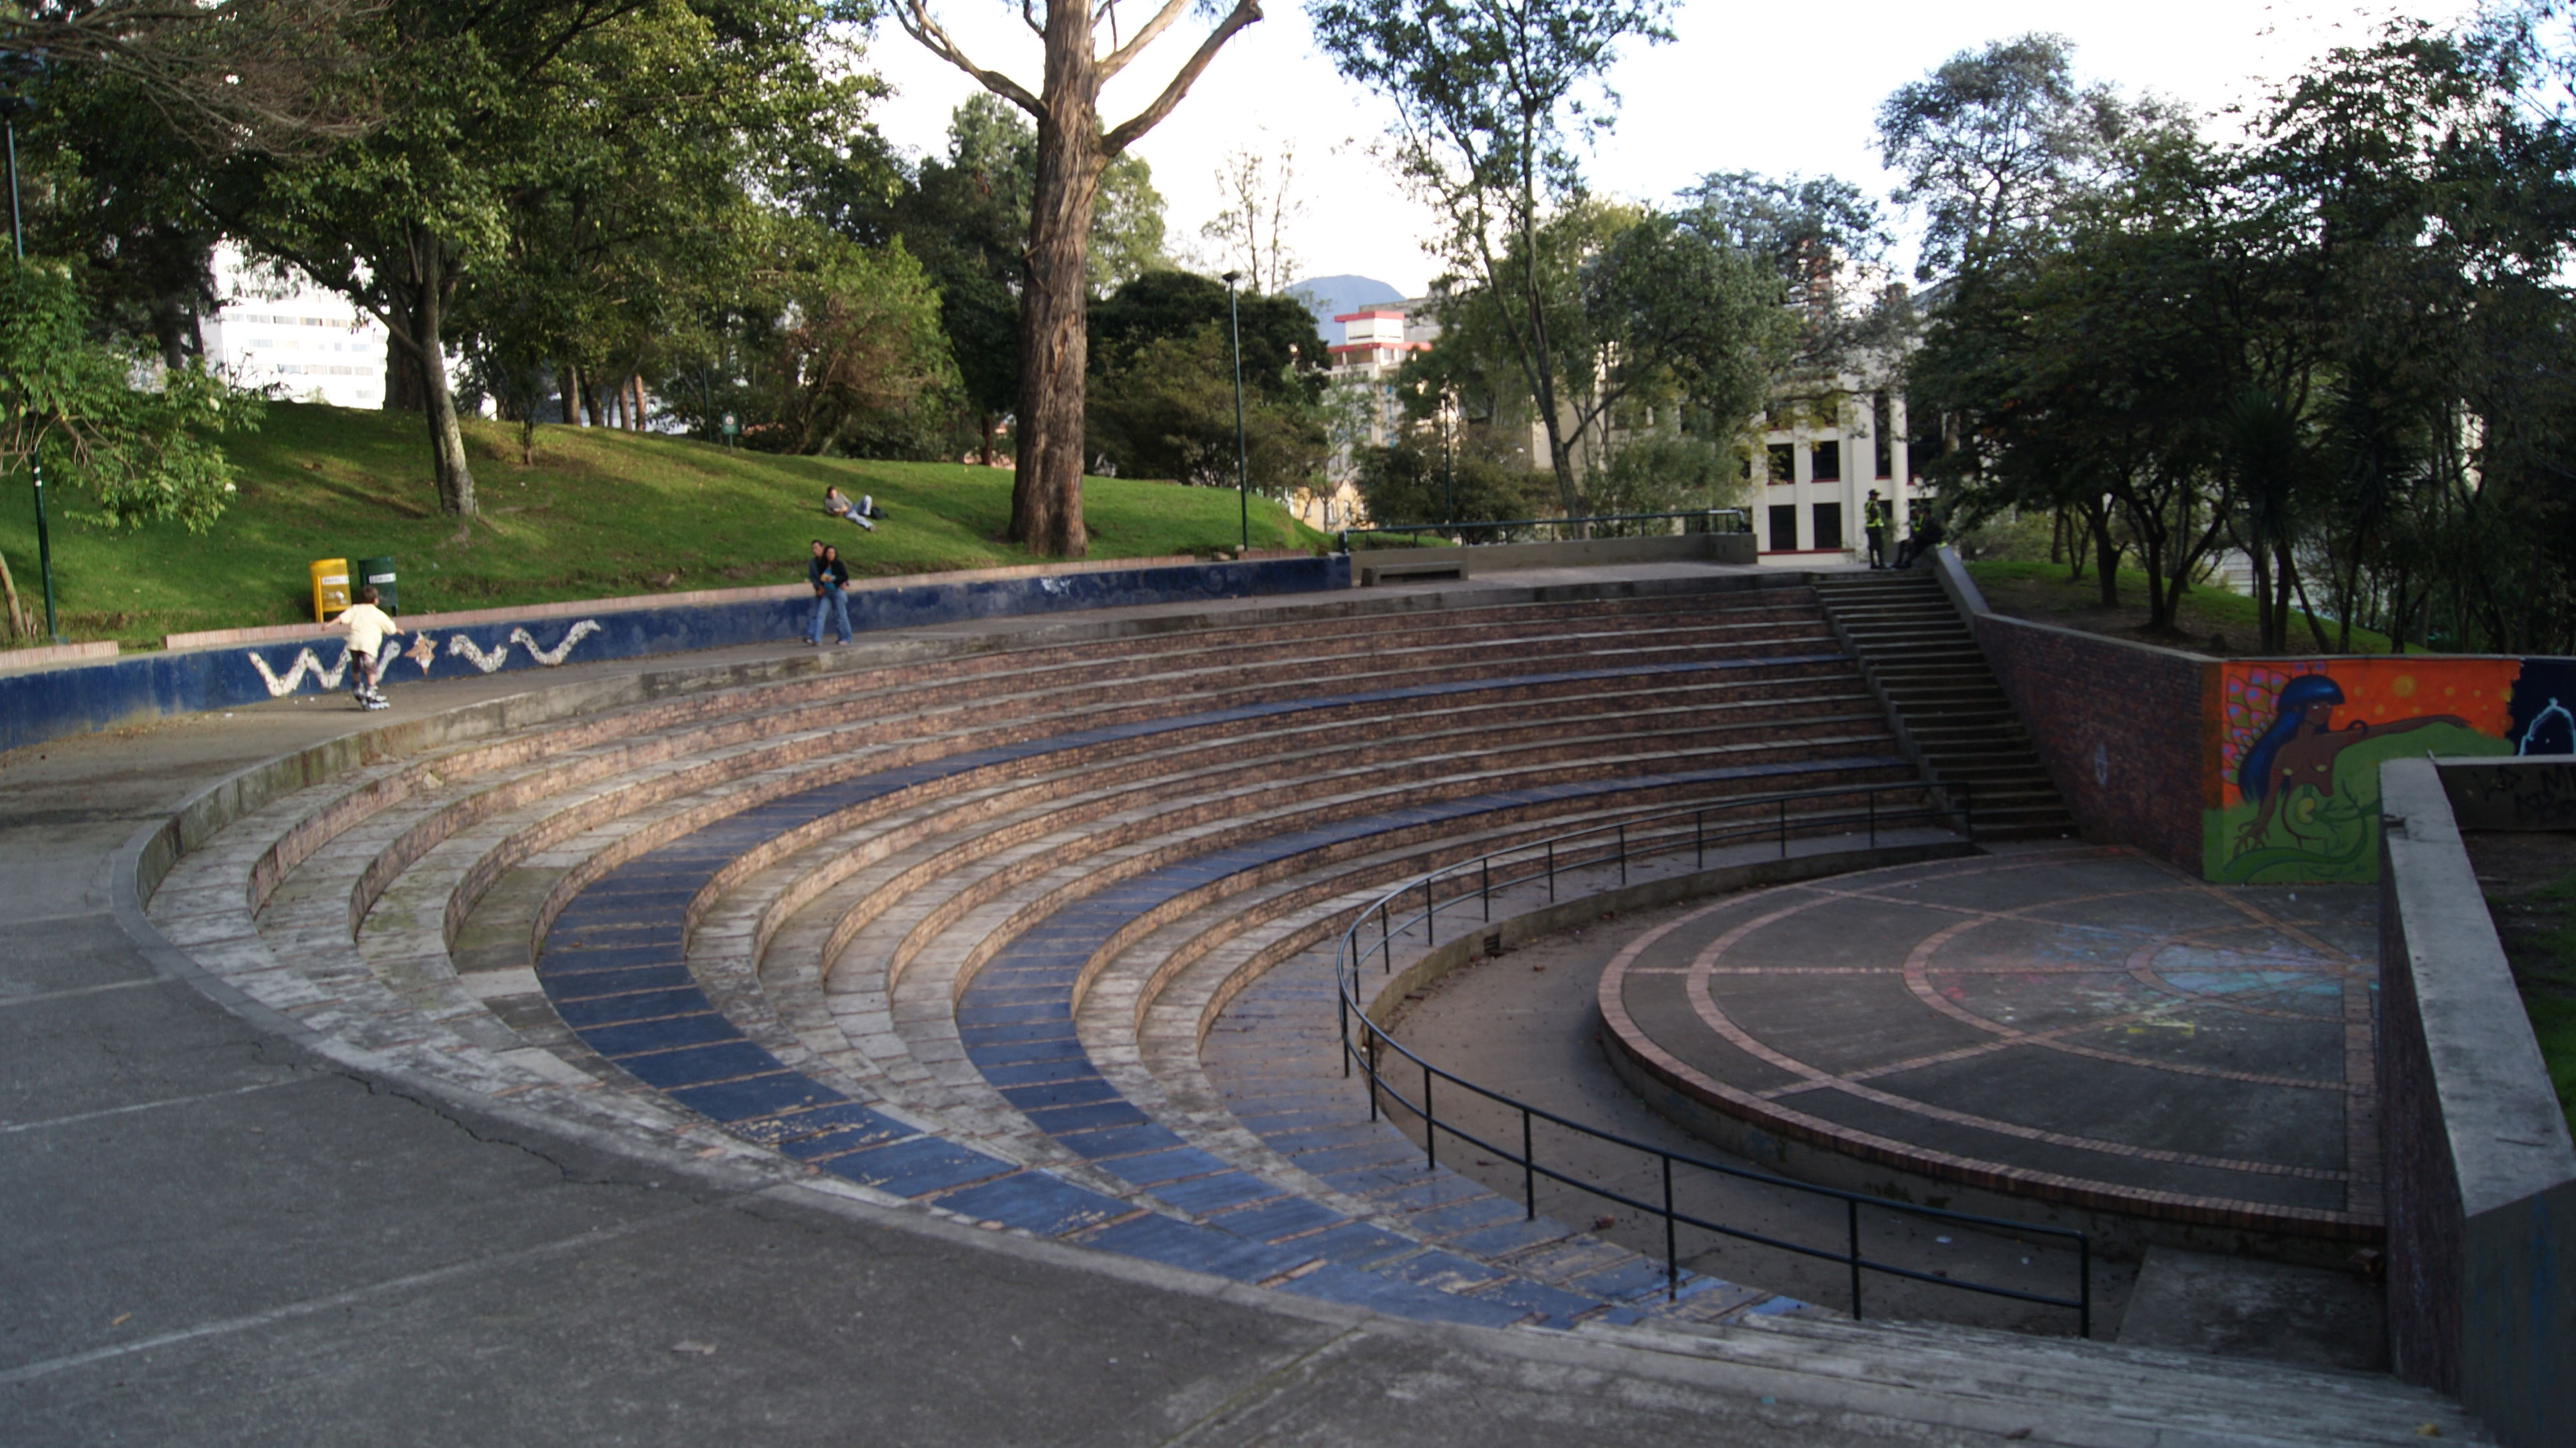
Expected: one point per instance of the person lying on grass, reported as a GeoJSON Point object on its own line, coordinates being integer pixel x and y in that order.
{"type": "Point", "coordinates": [838, 504]}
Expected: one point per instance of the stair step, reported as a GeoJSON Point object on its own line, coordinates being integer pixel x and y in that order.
{"type": "Point", "coordinates": [1923, 660]}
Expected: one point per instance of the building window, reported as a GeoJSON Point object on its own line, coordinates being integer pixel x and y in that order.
{"type": "Point", "coordinates": [1882, 427]}
{"type": "Point", "coordinates": [1829, 525]}
{"type": "Point", "coordinates": [1784, 527]}
{"type": "Point", "coordinates": [1783, 465]}
{"type": "Point", "coordinates": [1825, 460]}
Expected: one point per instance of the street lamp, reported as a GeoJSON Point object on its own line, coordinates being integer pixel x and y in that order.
{"type": "Point", "coordinates": [12, 101]}
{"type": "Point", "coordinates": [1448, 459]}
{"type": "Point", "coordinates": [1242, 459]}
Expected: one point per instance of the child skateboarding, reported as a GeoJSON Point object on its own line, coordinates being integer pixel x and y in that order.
{"type": "Point", "coordinates": [368, 627]}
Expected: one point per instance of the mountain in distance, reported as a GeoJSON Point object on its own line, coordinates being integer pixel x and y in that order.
{"type": "Point", "coordinates": [1330, 297]}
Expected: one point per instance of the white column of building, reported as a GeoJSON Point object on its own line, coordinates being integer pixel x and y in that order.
{"type": "Point", "coordinates": [1802, 490]}
{"type": "Point", "coordinates": [1900, 475]}
{"type": "Point", "coordinates": [1853, 485]}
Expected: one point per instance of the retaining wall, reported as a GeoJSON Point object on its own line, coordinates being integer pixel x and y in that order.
{"type": "Point", "coordinates": [2253, 771]}
{"type": "Point", "coordinates": [49, 704]}
{"type": "Point", "coordinates": [2481, 1175]}
{"type": "Point", "coordinates": [2116, 723]}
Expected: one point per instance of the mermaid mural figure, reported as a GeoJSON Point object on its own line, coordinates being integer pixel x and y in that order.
{"type": "Point", "coordinates": [2300, 750]}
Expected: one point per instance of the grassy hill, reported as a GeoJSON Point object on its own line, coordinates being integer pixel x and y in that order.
{"type": "Point", "coordinates": [2212, 620]}
{"type": "Point", "coordinates": [600, 513]}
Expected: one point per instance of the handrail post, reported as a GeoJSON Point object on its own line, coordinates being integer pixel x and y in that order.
{"type": "Point", "coordinates": [1385, 942]}
{"type": "Point", "coordinates": [1623, 852]}
{"type": "Point", "coordinates": [1371, 1038]}
{"type": "Point", "coordinates": [1342, 1010]}
{"type": "Point", "coordinates": [1672, 1256]}
{"type": "Point", "coordinates": [1551, 872]}
{"type": "Point", "coordinates": [1430, 931]}
{"type": "Point", "coordinates": [1783, 803]}
{"type": "Point", "coordinates": [2084, 1286]}
{"type": "Point", "coordinates": [1699, 839]}
{"type": "Point", "coordinates": [1851, 1236]}
{"type": "Point", "coordinates": [1430, 1125]}
{"type": "Point", "coordinates": [1486, 888]}
{"type": "Point", "coordinates": [1529, 1168]}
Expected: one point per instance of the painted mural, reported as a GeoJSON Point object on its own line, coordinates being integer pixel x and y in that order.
{"type": "Point", "coordinates": [2298, 745]}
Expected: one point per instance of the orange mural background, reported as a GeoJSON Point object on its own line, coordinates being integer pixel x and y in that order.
{"type": "Point", "coordinates": [2376, 691]}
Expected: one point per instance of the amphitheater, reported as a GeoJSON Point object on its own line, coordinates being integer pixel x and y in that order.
{"type": "Point", "coordinates": [985, 982]}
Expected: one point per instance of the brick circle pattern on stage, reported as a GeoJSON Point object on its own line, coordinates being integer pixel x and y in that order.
{"type": "Point", "coordinates": [2082, 1025]}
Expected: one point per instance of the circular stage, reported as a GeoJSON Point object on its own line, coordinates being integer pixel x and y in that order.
{"type": "Point", "coordinates": [2083, 1026]}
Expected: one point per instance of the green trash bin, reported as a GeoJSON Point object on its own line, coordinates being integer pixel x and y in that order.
{"type": "Point", "coordinates": [379, 573]}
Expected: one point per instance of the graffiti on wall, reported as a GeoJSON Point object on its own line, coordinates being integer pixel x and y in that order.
{"type": "Point", "coordinates": [2298, 745]}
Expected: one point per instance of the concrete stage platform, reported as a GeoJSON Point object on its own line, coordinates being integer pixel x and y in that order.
{"type": "Point", "coordinates": [2141, 1053]}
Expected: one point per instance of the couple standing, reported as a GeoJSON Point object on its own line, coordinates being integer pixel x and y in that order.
{"type": "Point", "coordinates": [830, 578]}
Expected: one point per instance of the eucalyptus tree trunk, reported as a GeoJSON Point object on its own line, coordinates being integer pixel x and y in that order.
{"type": "Point", "coordinates": [1072, 149]}
{"type": "Point", "coordinates": [416, 324]}
{"type": "Point", "coordinates": [1046, 502]}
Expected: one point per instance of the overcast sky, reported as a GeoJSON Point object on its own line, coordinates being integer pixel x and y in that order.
{"type": "Point", "coordinates": [1772, 88]}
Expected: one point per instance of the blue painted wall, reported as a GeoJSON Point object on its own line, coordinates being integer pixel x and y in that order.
{"type": "Point", "coordinates": [52, 703]}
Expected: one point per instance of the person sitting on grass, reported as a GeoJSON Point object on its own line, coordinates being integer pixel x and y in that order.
{"type": "Point", "coordinates": [368, 627]}
{"type": "Point", "coordinates": [838, 505]}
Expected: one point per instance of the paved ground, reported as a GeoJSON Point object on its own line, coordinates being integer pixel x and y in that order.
{"type": "Point", "coordinates": [2079, 1023]}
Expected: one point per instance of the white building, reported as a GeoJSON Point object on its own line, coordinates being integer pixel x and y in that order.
{"type": "Point", "coordinates": [1821, 457]}
{"type": "Point", "coordinates": [1822, 449]}
{"type": "Point", "coordinates": [1376, 340]}
{"type": "Point", "coordinates": [279, 333]}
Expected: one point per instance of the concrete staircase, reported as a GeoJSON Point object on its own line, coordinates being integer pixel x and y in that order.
{"type": "Point", "coordinates": [1948, 712]}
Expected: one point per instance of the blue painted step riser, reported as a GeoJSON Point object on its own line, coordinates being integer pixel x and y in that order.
{"type": "Point", "coordinates": [51, 703]}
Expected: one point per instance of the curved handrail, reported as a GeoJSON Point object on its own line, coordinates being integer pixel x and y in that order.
{"type": "Point", "coordinates": [1375, 1040]}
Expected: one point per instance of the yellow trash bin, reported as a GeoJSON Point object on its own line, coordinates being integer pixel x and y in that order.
{"type": "Point", "coordinates": [330, 587]}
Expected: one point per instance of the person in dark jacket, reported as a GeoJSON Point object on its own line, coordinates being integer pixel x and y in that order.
{"type": "Point", "coordinates": [1922, 539]}
{"type": "Point", "coordinates": [831, 580]}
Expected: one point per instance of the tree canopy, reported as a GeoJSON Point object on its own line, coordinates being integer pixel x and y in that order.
{"type": "Point", "coordinates": [2340, 347]}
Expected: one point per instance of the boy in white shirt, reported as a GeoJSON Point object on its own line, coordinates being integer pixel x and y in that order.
{"type": "Point", "coordinates": [367, 627]}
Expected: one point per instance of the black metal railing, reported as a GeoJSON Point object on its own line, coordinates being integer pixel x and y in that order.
{"type": "Point", "coordinates": [1736, 520]}
{"type": "Point", "coordinates": [1621, 843]}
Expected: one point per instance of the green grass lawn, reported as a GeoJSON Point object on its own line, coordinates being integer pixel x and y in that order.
{"type": "Point", "coordinates": [600, 514]}
{"type": "Point", "coordinates": [2211, 619]}
{"type": "Point", "coordinates": [2537, 926]}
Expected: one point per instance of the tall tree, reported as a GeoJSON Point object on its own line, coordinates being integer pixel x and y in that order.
{"type": "Point", "coordinates": [228, 76]}
{"type": "Point", "coordinates": [1654, 324]}
{"type": "Point", "coordinates": [1992, 141]}
{"type": "Point", "coordinates": [499, 102]}
{"type": "Point", "coordinates": [69, 402]}
{"type": "Point", "coordinates": [1073, 148]}
{"type": "Point", "coordinates": [1257, 200]}
{"type": "Point", "coordinates": [396, 220]}
{"type": "Point", "coordinates": [1493, 99]}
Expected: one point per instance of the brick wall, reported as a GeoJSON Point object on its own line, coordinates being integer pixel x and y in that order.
{"type": "Point", "coordinates": [2118, 724]}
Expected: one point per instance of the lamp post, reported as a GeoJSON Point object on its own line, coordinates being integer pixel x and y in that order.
{"type": "Point", "coordinates": [1448, 460]}
{"type": "Point", "coordinates": [1242, 458]}
{"type": "Point", "coordinates": [11, 103]}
